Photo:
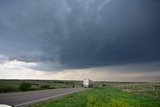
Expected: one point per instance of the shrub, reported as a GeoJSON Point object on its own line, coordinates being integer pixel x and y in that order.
{"type": "Point", "coordinates": [24, 86]}
{"type": "Point", "coordinates": [45, 86]}
{"type": "Point", "coordinates": [6, 89]}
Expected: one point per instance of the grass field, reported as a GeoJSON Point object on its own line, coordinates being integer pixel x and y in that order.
{"type": "Point", "coordinates": [104, 97]}
{"type": "Point", "coordinates": [13, 85]}
{"type": "Point", "coordinates": [103, 94]}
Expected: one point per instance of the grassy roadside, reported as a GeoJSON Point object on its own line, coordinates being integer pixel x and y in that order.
{"type": "Point", "coordinates": [102, 97]}
{"type": "Point", "coordinates": [7, 86]}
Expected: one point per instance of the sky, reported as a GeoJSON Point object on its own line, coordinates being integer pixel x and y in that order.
{"type": "Point", "coordinates": [103, 40]}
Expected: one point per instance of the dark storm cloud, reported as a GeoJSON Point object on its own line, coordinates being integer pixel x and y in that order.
{"type": "Point", "coordinates": [81, 33]}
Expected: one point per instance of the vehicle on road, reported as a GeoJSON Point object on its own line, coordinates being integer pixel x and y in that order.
{"type": "Point", "coordinates": [5, 105]}
{"type": "Point", "coordinates": [87, 83]}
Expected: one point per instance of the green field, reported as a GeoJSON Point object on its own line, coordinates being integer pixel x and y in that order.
{"type": "Point", "coordinates": [13, 85]}
{"type": "Point", "coordinates": [103, 94]}
{"type": "Point", "coordinates": [109, 96]}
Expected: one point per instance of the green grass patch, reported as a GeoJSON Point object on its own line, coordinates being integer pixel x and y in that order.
{"type": "Point", "coordinates": [102, 97]}
{"type": "Point", "coordinates": [14, 85]}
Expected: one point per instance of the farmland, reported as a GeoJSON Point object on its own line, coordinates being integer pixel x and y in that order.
{"type": "Point", "coordinates": [111, 94]}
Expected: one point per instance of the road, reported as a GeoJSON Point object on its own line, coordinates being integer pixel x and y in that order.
{"type": "Point", "coordinates": [23, 99]}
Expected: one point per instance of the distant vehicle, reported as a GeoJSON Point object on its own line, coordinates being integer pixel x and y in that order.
{"type": "Point", "coordinates": [5, 105]}
{"type": "Point", "coordinates": [87, 83]}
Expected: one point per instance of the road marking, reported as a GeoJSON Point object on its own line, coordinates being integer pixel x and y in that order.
{"type": "Point", "coordinates": [43, 99]}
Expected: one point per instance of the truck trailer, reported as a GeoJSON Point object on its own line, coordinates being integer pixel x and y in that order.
{"type": "Point", "coordinates": [87, 83]}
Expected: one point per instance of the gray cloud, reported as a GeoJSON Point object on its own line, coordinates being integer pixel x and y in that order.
{"type": "Point", "coordinates": [81, 33]}
{"type": "Point", "coordinates": [3, 58]}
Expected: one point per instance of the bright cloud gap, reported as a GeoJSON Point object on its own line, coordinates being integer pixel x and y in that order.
{"type": "Point", "coordinates": [22, 70]}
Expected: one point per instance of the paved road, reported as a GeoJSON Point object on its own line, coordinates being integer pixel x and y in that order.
{"type": "Point", "coordinates": [22, 99]}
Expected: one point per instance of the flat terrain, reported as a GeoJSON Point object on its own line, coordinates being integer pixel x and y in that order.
{"type": "Point", "coordinates": [111, 95]}
{"type": "Point", "coordinates": [13, 85]}
{"type": "Point", "coordinates": [103, 94]}
{"type": "Point", "coordinates": [21, 99]}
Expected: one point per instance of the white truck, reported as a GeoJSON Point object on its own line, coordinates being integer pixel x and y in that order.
{"type": "Point", "coordinates": [87, 83]}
